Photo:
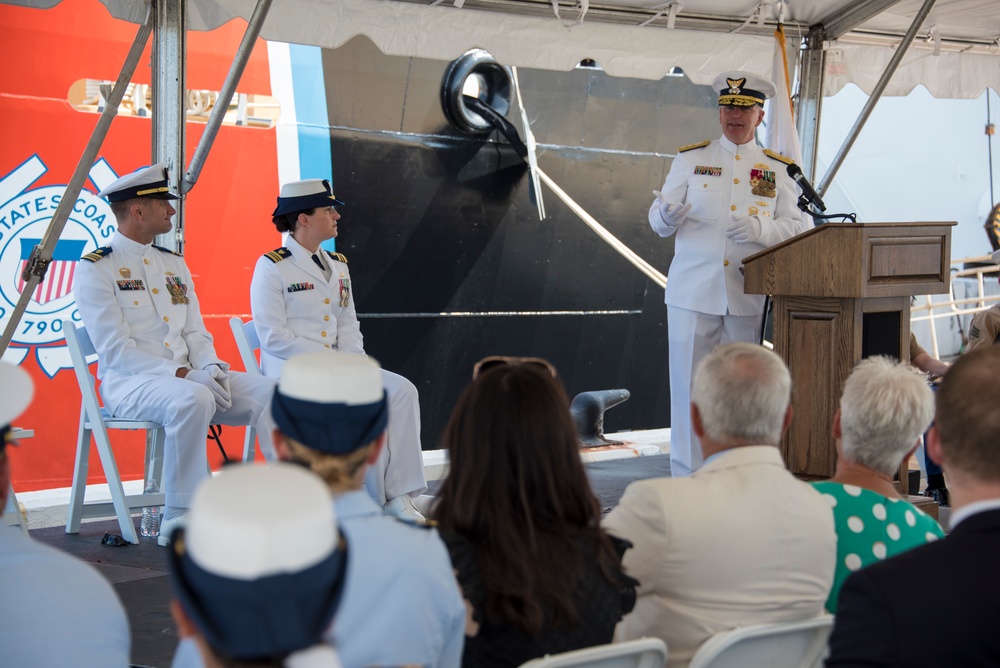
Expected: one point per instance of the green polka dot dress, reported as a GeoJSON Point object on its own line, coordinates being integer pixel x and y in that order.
{"type": "Point", "coordinates": [871, 527]}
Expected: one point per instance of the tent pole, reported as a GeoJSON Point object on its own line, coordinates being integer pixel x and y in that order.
{"type": "Point", "coordinates": [169, 102]}
{"type": "Point", "coordinates": [810, 98]}
{"type": "Point", "coordinates": [226, 95]}
{"type": "Point", "coordinates": [41, 255]}
{"type": "Point", "coordinates": [897, 58]}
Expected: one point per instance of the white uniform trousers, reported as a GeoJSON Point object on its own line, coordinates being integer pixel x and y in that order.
{"type": "Point", "coordinates": [691, 336]}
{"type": "Point", "coordinates": [185, 409]}
{"type": "Point", "coordinates": [400, 467]}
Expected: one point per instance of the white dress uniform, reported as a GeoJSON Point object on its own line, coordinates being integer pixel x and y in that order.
{"type": "Point", "coordinates": [706, 305]}
{"type": "Point", "coordinates": [296, 310]}
{"type": "Point", "coordinates": [56, 610]}
{"type": "Point", "coordinates": [141, 311]}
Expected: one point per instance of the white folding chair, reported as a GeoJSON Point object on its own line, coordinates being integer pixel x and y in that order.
{"type": "Point", "coordinates": [12, 510]}
{"type": "Point", "coordinates": [95, 421]}
{"type": "Point", "coordinates": [247, 343]}
{"type": "Point", "coordinates": [641, 653]}
{"type": "Point", "coordinates": [798, 644]}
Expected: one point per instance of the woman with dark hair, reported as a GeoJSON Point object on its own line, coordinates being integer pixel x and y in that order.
{"type": "Point", "coordinates": [522, 524]}
{"type": "Point", "coordinates": [302, 302]}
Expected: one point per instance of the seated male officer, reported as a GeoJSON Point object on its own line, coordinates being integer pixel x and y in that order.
{"type": "Point", "coordinates": [55, 610]}
{"type": "Point", "coordinates": [156, 359]}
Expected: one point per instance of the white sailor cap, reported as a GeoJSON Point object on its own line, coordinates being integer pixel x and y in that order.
{"type": "Point", "coordinates": [742, 89]}
{"type": "Point", "coordinates": [330, 401]}
{"type": "Point", "coordinates": [152, 181]}
{"type": "Point", "coordinates": [16, 391]}
{"type": "Point", "coordinates": [304, 195]}
{"type": "Point", "coordinates": [260, 566]}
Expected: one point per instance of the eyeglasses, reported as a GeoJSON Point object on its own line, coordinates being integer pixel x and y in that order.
{"type": "Point", "coordinates": [488, 363]}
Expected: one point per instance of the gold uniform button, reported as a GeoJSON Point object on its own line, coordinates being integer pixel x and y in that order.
{"type": "Point", "coordinates": [156, 291]}
{"type": "Point", "coordinates": [326, 317]}
{"type": "Point", "coordinates": [736, 180]}
{"type": "Point", "coordinates": [136, 303]}
{"type": "Point", "coordinates": [166, 319]}
{"type": "Point", "coordinates": [322, 334]}
{"type": "Point", "coordinates": [326, 345]}
{"type": "Point", "coordinates": [732, 207]}
{"type": "Point", "coordinates": [704, 185]}
{"type": "Point", "coordinates": [738, 157]}
{"type": "Point", "coordinates": [326, 301]}
{"type": "Point", "coordinates": [166, 344]}
{"type": "Point", "coordinates": [725, 263]}
{"type": "Point", "coordinates": [145, 261]}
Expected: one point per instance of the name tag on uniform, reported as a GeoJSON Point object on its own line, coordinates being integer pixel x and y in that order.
{"type": "Point", "coordinates": [134, 284]}
{"type": "Point", "coordinates": [299, 287]}
{"type": "Point", "coordinates": [708, 171]}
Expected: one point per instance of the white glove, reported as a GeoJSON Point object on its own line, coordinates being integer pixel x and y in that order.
{"type": "Point", "coordinates": [221, 394]}
{"type": "Point", "coordinates": [672, 214]}
{"type": "Point", "coordinates": [744, 230]}
{"type": "Point", "coordinates": [221, 376]}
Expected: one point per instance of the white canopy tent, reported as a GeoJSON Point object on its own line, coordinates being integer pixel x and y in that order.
{"type": "Point", "coordinates": [956, 53]}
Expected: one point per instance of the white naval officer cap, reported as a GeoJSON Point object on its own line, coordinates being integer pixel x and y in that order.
{"type": "Point", "coordinates": [330, 401]}
{"type": "Point", "coordinates": [152, 181]}
{"type": "Point", "coordinates": [16, 391]}
{"type": "Point", "coordinates": [260, 566]}
{"type": "Point", "coordinates": [304, 195]}
{"type": "Point", "coordinates": [742, 89]}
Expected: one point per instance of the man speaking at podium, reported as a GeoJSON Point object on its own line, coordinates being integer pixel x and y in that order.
{"type": "Point", "coordinates": [725, 200]}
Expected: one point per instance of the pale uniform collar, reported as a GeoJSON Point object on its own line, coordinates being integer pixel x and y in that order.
{"type": "Point", "coordinates": [972, 509]}
{"type": "Point", "coordinates": [126, 245]}
{"type": "Point", "coordinates": [739, 456]}
{"type": "Point", "coordinates": [303, 258]}
{"type": "Point", "coordinates": [354, 504]}
{"type": "Point", "coordinates": [742, 149]}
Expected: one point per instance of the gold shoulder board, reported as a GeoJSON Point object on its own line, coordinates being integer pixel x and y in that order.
{"type": "Point", "coordinates": [691, 147]}
{"type": "Point", "coordinates": [96, 255]}
{"type": "Point", "coordinates": [278, 254]}
{"type": "Point", "coordinates": [339, 257]}
{"type": "Point", "coordinates": [777, 156]}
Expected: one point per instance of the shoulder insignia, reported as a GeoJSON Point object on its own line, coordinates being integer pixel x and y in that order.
{"type": "Point", "coordinates": [278, 254]}
{"type": "Point", "coordinates": [167, 250]}
{"type": "Point", "coordinates": [339, 257]}
{"type": "Point", "coordinates": [777, 156]}
{"type": "Point", "coordinates": [691, 147]}
{"type": "Point", "coordinates": [96, 255]}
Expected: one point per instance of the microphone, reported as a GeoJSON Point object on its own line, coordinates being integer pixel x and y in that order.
{"type": "Point", "coordinates": [807, 189]}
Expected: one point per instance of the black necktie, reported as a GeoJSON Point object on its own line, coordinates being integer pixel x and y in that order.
{"type": "Point", "coordinates": [319, 262]}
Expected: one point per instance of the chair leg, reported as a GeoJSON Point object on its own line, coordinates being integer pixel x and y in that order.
{"type": "Point", "coordinates": [249, 445]}
{"type": "Point", "coordinates": [79, 488]}
{"type": "Point", "coordinates": [114, 479]}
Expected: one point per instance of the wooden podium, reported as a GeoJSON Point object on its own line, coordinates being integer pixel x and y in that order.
{"type": "Point", "coordinates": [841, 293]}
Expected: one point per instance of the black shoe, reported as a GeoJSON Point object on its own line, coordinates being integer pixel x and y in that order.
{"type": "Point", "coordinates": [939, 494]}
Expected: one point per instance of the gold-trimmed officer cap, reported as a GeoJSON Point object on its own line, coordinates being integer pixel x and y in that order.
{"type": "Point", "coordinates": [742, 89]}
{"type": "Point", "coordinates": [304, 195]}
{"type": "Point", "coordinates": [152, 181]}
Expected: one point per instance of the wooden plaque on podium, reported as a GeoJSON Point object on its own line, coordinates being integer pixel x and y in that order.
{"type": "Point", "coordinates": [842, 292]}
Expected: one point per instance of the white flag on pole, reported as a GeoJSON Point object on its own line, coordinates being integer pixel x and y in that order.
{"type": "Point", "coordinates": [781, 135]}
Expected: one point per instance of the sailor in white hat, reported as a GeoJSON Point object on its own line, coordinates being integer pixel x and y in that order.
{"type": "Point", "coordinates": [724, 199]}
{"type": "Point", "coordinates": [57, 610]}
{"type": "Point", "coordinates": [302, 300]}
{"type": "Point", "coordinates": [156, 359]}
{"type": "Point", "coordinates": [331, 411]}
{"type": "Point", "coordinates": [984, 330]}
{"type": "Point", "coordinates": [258, 571]}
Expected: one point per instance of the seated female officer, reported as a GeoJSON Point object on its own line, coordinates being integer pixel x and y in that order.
{"type": "Point", "coordinates": [302, 302]}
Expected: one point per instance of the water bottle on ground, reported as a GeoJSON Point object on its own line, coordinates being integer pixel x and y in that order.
{"type": "Point", "coordinates": [150, 524]}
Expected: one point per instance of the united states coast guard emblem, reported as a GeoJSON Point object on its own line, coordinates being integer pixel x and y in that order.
{"type": "Point", "coordinates": [25, 215]}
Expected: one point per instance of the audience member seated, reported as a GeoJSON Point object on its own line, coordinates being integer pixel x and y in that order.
{"type": "Point", "coordinates": [258, 570]}
{"type": "Point", "coordinates": [740, 541]}
{"type": "Point", "coordinates": [884, 410]}
{"type": "Point", "coordinates": [55, 610]}
{"type": "Point", "coordinates": [522, 524]}
{"type": "Point", "coordinates": [401, 605]}
{"type": "Point", "coordinates": [935, 605]}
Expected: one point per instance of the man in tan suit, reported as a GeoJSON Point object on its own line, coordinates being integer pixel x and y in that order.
{"type": "Point", "coordinates": [740, 541]}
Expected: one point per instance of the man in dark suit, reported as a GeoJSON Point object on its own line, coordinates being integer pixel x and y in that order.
{"type": "Point", "coordinates": [936, 605]}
